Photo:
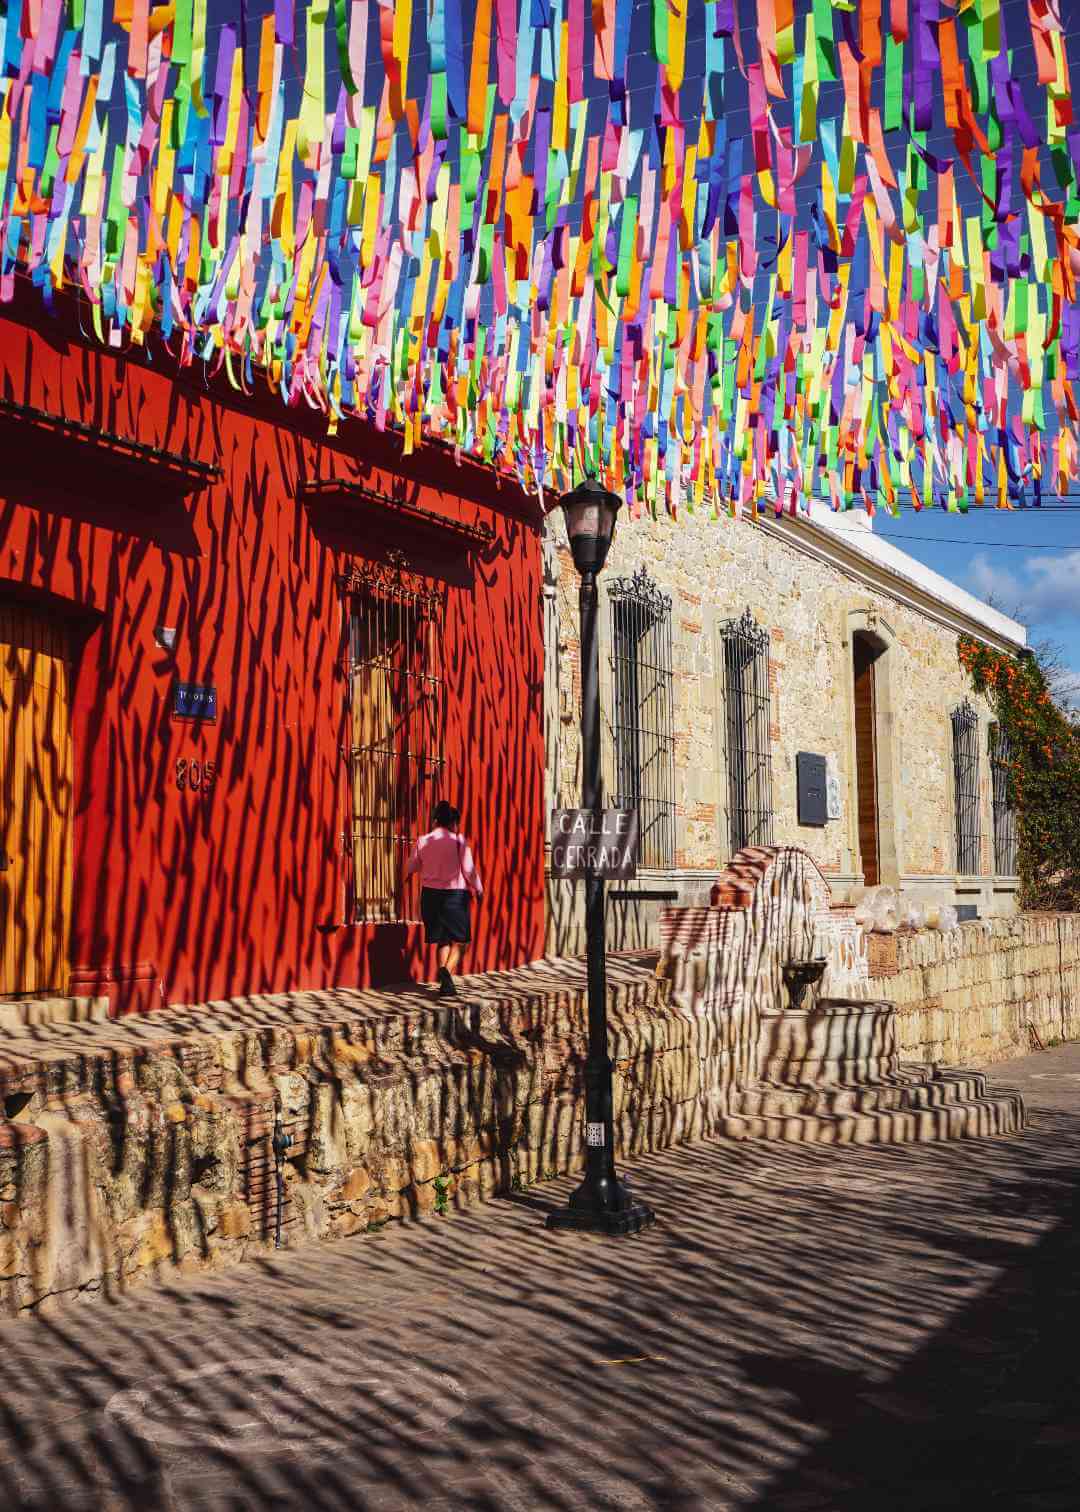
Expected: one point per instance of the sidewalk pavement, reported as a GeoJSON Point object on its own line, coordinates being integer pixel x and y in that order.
{"type": "Point", "coordinates": [804, 1330]}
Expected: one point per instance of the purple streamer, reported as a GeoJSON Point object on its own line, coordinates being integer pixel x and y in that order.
{"type": "Point", "coordinates": [999, 74]}
{"type": "Point", "coordinates": [285, 22]}
{"type": "Point", "coordinates": [222, 82]}
{"type": "Point", "coordinates": [337, 135]}
{"type": "Point", "coordinates": [1070, 340]}
{"type": "Point", "coordinates": [437, 158]}
{"type": "Point", "coordinates": [1024, 124]}
{"type": "Point", "coordinates": [927, 62]}
{"type": "Point", "coordinates": [540, 158]}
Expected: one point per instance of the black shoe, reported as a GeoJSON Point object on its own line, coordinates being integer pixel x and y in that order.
{"type": "Point", "coordinates": [446, 984]}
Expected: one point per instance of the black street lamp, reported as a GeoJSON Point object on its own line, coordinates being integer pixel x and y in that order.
{"type": "Point", "coordinates": [602, 1202]}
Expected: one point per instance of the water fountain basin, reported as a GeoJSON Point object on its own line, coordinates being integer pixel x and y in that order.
{"type": "Point", "coordinates": [798, 976]}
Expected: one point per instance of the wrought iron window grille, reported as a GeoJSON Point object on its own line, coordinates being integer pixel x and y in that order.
{"type": "Point", "coordinates": [747, 720]}
{"type": "Point", "coordinates": [965, 731]}
{"type": "Point", "coordinates": [396, 717]}
{"type": "Point", "coordinates": [1005, 836]}
{"type": "Point", "coordinates": [643, 722]}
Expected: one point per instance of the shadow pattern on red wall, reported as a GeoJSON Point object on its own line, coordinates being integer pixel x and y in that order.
{"type": "Point", "coordinates": [236, 885]}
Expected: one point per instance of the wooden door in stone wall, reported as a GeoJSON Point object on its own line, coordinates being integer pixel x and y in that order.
{"type": "Point", "coordinates": [866, 758]}
{"type": "Point", "coordinates": [35, 802]}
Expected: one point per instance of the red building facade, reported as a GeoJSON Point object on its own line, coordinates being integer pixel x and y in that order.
{"type": "Point", "coordinates": [242, 660]}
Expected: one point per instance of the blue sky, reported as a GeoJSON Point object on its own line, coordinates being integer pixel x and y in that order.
{"type": "Point", "coordinates": [1027, 561]}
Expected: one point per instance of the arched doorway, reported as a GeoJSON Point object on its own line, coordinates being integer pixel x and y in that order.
{"type": "Point", "coordinates": [866, 650]}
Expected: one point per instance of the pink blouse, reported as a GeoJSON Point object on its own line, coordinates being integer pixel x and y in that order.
{"type": "Point", "coordinates": [444, 861]}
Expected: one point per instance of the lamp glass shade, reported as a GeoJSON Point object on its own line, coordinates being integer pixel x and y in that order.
{"type": "Point", "coordinates": [590, 512]}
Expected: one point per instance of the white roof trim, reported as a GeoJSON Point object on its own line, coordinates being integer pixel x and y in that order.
{"type": "Point", "coordinates": [878, 564]}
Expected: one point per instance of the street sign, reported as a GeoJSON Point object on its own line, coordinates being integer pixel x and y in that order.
{"type": "Point", "coordinates": [605, 843]}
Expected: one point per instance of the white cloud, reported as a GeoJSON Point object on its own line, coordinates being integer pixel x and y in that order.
{"type": "Point", "coordinates": [993, 584]}
{"type": "Point", "coordinates": [1045, 591]}
{"type": "Point", "coordinates": [1055, 586]}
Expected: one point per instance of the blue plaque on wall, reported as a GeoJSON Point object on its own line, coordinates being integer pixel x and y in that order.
{"type": "Point", "coordinates": [194, 701]}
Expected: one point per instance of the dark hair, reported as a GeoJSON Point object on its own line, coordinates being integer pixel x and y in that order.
{"type": "Point", "coordinates": [446, 816]}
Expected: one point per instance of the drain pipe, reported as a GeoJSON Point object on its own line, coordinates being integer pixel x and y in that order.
{"type": "Point", "coordinates": [279, 1143]}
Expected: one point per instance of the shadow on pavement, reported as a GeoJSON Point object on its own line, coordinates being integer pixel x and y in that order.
{"type": "Point", "coordinates": [987, 1413]}
{"type": "Point", "coordinates": [805, 1329]}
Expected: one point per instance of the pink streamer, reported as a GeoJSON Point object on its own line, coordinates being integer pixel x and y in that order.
{"type": "Point", "coordinates": [576, 51]}
{"type": "Point", "coordinates": [506, 48]}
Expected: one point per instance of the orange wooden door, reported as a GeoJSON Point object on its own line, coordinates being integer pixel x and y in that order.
{"type": "Point", "coordinates": [866, 760]}
{"type": "Point", "coordinates": [35, 803]}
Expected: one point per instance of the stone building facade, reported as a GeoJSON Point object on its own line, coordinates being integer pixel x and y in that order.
{"type": "Point", "coordinates": [728, 650]}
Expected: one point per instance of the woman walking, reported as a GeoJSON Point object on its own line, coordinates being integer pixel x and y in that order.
{"type": "Point", "coordinates": [449, 882]}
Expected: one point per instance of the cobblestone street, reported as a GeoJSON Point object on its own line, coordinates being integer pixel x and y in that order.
{"type": "Point", "coordinates": [854, 1329]}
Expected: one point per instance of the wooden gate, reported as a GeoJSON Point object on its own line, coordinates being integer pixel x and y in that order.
{"type": "Point", "coordinates": [35, 802]}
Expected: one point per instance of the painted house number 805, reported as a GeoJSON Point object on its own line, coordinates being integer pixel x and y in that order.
{"type": "Point", "coordinates": [196, 775]}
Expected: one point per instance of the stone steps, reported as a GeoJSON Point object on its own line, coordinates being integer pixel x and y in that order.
{"type": "Point", "coordinates": [834, 1072]}
{"type": "Point", "coordinates": [69, 1046]}
{"type": "Point", "coordinates": [31, 1013]}
{"type": "Point", "coordinates": [907, 1093]}
{"type": "Point", "coordinates": [963, 1117]}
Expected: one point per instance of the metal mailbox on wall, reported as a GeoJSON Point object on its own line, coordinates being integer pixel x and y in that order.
{"type": "Point", "coordinates": [812, 779]}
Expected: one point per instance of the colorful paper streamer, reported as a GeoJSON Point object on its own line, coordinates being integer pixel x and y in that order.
{"type": "Point", "coordinates": [570, 238]}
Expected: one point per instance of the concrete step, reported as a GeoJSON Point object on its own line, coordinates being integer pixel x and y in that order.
{"type": "Point", "coordinates": [27, 1013]}
{"type": "Point", "coordinates": [773, 1101]}
{"type": "Point", "coordinates": [832, 1072]}
{"type": "Point", "coordinates": [974, 1118]}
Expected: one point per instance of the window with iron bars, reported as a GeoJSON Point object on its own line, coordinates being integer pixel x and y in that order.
{"type": "Point", "coordinates": [747, 716]}
{"type": "Point", "coordinates": [1005, 841]}
{"type": "Point", "coordinates": [643, 726]}
{"type": "Point", "coordinates": [396, 719]}
{"type": "Point", "coordinates": [965, 732]}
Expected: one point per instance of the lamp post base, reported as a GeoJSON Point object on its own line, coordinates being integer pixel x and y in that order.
{"type": "Point", "coordinates": [612, 1210]}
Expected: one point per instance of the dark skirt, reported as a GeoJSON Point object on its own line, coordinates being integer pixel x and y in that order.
{"type": "Point", "coordinates": [445, 912]}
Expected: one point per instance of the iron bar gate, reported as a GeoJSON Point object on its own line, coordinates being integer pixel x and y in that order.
{"type": "Point", "coordinates": [965, 729]}
{"type": "Point", "coordinates": [643, 726]}
{"type": "Point", "coordinates": [747, 718]}
{"type": "Point", "coordinates": [396, 692]}
{"type": "Point", "coordinates": [1005, 840]}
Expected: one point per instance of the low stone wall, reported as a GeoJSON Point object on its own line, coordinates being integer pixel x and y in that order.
{"type": "Point", "coordinates": [968, 996]}
{"type": "Point", "coordinates": [963, 998]}
{"type": "Point", "coordinates": [132, 1147]}
{"type": "Point", "coordinates": [136, 1147]}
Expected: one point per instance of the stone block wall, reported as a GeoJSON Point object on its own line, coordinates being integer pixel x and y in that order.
{"type": "Point", "coordinates": [143, 1151]}
{"type": "Point", "coordinates": [964, 998]}
{"type": "Point", "coordinates": [134, 1147]}
{"type": "Point", "coordinates": [967, 997]}
{"type": "Point", "coordinates": [714, 570]}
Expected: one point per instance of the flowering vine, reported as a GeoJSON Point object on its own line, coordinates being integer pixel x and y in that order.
{"type": "Point", "coordinates": [1043, 772]}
